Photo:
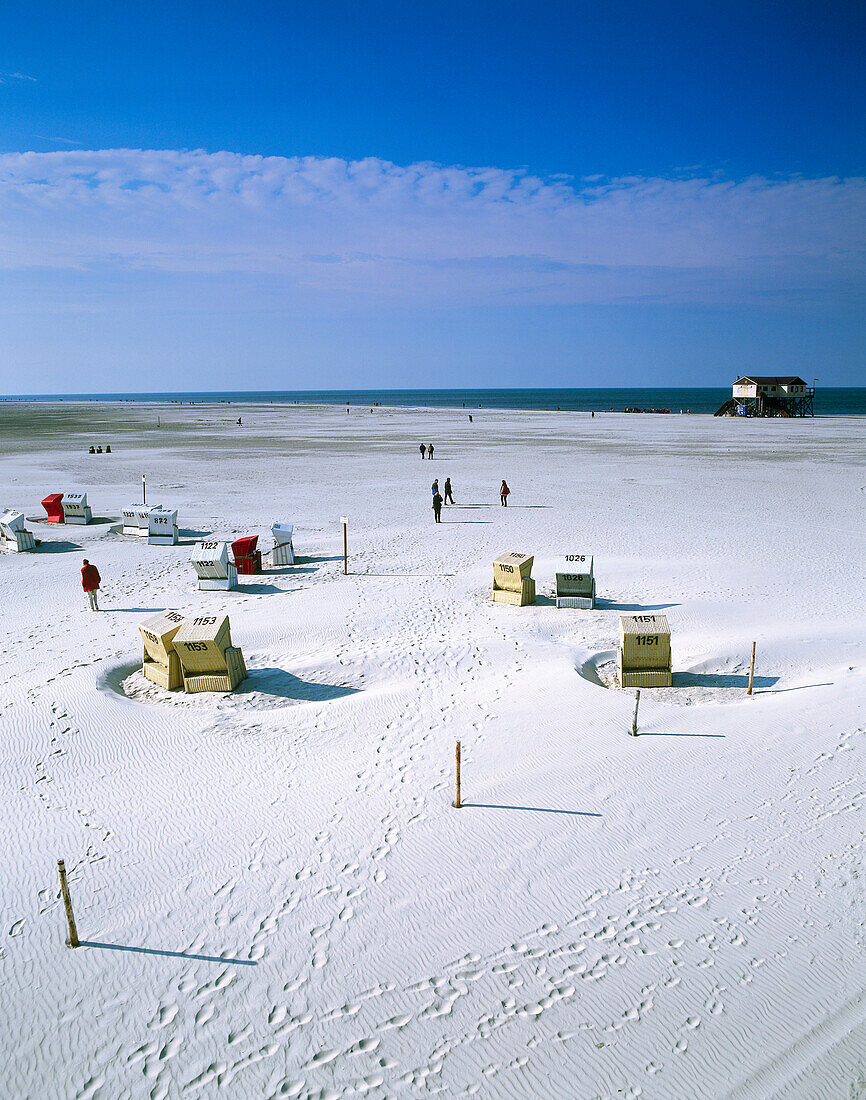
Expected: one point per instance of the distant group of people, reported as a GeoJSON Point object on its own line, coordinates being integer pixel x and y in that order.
{"type": "Point", "coordinates": [426, 451]}
{"type": "Point", "coordinates": [99, 451]}
{"type": "Point", "coordinates": [446, 496]}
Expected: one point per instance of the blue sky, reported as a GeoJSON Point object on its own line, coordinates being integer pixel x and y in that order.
{"type": "Point", "coordinates": [449, 194]}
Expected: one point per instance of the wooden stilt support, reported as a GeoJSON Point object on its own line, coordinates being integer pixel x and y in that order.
{"type": "Point", "coordinates": [634, 720]}
{"type": "Point", "coordinates": [457, 801]}
{"type": "Point", "coordinates": [67, 905]}
{"type": "Point", "coordinates": [751, 670]}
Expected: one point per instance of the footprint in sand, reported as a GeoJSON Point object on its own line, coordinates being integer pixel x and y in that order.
{"type": "Point", "coordinates": [324, 1056]}
{"type": "Point", "coordinates": [291, 1088]}
{"type": "Point", "coordinates": [141, 1052]}
{"type": "Point", "coordinates": [186, 983]}
{"type": "Point", "coordinates": [364, 1046]}
{"type": "Point", "coordinates": [170, 1049]}
{"type": "Point", "coordinates": [165, 1015]}
{"type": "Point", "coordinates": [395, 1022]}
{"type": "Point", "coordinates": [90, 1087]}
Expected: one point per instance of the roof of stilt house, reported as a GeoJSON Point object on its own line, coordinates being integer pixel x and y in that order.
{"type": "Point", "coordinates": [771, 380]}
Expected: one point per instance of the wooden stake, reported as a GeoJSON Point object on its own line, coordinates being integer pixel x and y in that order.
{"type": "Point", "coordinates": [143, 490]}
{"type": "Point", "coordinates": [751, 670]}
{"type": "Point", "coordinates": [634, 720]}
{"type": "Point", "coordinates": [457, 801]}
{"type": "Point", "coordinates": [67, 905]}
{"type": "Point", "coordinates": [345, 521]}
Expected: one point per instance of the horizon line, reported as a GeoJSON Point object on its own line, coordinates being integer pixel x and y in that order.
{"type": "Point", "coordinates": [380, 389]}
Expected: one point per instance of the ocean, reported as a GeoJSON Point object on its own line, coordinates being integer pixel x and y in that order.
{"type": "Point", "coordinates": [828, 402]}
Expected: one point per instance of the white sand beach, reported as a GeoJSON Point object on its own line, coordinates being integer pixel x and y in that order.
{"type": "Point", "coordinates": [277, 897]}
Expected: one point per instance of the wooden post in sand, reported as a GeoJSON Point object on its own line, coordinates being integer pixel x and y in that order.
{"type": "Point", "coordinates": [143, 490]}
{"type": "Point", "coordinates": [67, 905]}
{"type": "Point", "coordinates": [634, 720]}
{"type": "Point", "coordinates": [457, 801]}
{"type": "Point", "coordinates": [751, 670]}
{"type": "Point", "coordinates": [345, 522]}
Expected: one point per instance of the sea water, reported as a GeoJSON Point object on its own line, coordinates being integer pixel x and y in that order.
{"type": "Point", "coordinates": [828, 402]}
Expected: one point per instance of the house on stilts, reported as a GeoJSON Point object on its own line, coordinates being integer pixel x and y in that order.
{"type": "Point", "coordinates": [770, 395]}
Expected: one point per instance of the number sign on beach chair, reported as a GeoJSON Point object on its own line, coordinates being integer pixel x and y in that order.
{"type": "Point", "coordinates": [162, 527]}
{"type": "Point", "coordinates": [209, 661]}
{"type": "Point", "coordinates": [575, 583]}
{"type": "Point", "coordinates": [13, 536]}
{"type": "Point", "coordinates": [129, 520]}
{"type": "Point", "coordinates": [283, 552]}
{"type": "Point", "coordinates": [161, 662]}
{"type": "Point", "coordinates": [136, 519]}
{"type": "Point", "coordinates": [512, 582]}
{"type": "Point", "coordinates": [216, 571]}
{"type": "Point", "coordinates": [644, 657]}
{"type": "Point", "coordinates": [75, 509]}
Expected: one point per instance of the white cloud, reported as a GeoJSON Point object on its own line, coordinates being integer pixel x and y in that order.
{"type": "Point", "coordinates": [432, 233]}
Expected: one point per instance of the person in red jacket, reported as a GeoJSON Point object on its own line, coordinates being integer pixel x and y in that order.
{"type": "Point", "coordinates": [90, 583]}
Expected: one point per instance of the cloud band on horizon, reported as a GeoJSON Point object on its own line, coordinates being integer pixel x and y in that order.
{"type": "Point", "coordinates": [432, 234]}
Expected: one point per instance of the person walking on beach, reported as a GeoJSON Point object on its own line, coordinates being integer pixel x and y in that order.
{"type": "Point", "coordinates": [437, 506]}
{"type": "Point", "coordinates": [434, 488]}
{"type": "Point", "coordinates": [503, 493]}
{"type": "Point", "coordinates": [429, 450]}
{"type": "Point", "coordinates": [422, 448]}
{"type": "Point", "coordinates": [90, 583]}
{"type": "Point", "coordinates": [448, 495]}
